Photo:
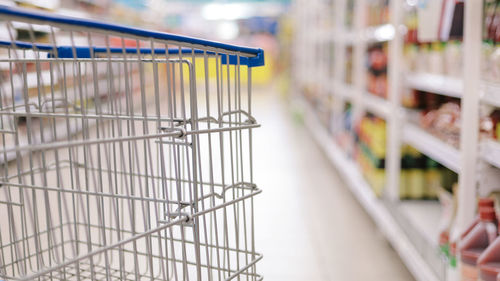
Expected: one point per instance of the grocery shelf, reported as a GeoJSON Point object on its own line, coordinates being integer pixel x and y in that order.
{"type": "Point", "coordinates": [424, 216]}
{"type": "Point", "coordinates": [432, 146]}
{"type": "Point", "coordinates": [490, 152]}
{"type": "Point", "coordinates": [490, 93]}
{"type": "Point", "coordinates": [421, 221]}
{"type": "Point", "coordinates": [376, 105]}
{"type": "Point", "coordinates": [364, 194]}
{"type": "Point", "coordinates": [344, 91]}
{"type": "Point", "coordinates": [474, 93]}
{"type": "Point", "coordinates": [435, 83]}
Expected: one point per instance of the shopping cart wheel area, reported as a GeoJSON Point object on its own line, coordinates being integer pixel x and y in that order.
{"type": "Point", "coordinates": [126, 154]}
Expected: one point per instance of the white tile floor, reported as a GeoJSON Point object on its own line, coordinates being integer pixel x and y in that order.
{"type": "Point", "coordinates": [308, 224]}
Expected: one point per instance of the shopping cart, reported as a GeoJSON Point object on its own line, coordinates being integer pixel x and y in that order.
{"type": "Point", "coordinates": [126, 153]}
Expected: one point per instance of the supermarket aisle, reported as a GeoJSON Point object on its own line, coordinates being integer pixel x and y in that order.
{"type": "Point", "coordinates": [309, 226]}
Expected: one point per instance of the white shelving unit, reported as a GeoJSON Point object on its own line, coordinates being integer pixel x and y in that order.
{"type": "Point", "coordinates": [344, 91]}
{"type": "Point", "coordinates": [375, 207]}
{"type": "Point", "coordinates": [432, 146]}
{"type": "Point", "coordinates": [490, 94]}
{"type": "Point", "coordinates": [424, 216]}
{"type": "Point", "coordinates": [434, 83]}
{"type": "Point", "coordinates": [451, 86]}
{"type": "Point", "coordinates": [377, 105]}
{"type": "Point", "coordinates": [490, 152]}
{"type": "Point", "coordinates": [466, 160]}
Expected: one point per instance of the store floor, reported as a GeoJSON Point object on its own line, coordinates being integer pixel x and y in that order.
{"type": "Point", "coordinates": [308, 224]}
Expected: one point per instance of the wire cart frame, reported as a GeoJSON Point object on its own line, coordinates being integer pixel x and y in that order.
{"type": "Point", "coordinates": [126, 153]}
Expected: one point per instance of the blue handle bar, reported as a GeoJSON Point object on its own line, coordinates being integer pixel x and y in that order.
{"type": "Point", "coordinates": [249, 56]}
{"type": "Point", "coordinates": [88, 52]}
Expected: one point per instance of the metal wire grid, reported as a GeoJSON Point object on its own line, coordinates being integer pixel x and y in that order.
{"type": "Point", "coordinates": [121, 165]}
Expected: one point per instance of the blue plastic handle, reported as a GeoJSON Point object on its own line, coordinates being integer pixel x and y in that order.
{"type": "Point", "coordinates": [254, 56]}
{"type": "Point", "coordinates": [87, 52]}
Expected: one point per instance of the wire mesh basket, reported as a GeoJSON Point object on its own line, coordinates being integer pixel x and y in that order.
{"type": "Point", "coordinates": [126, 153]}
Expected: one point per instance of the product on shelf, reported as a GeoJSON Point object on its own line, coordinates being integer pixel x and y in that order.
{"type": "Point", "coordinates": [422, 59]}
{"type": "Point", "coordinates": [377, 70]}
{"type": "Point", "coordinates": [436, 58]}
{"type": "Point", "coordinates": [476, 241]}
{"type": "Point", "coordinates": [411, 23]}
{"type": "Point", "coordinates": [411, 57]}
{"type": "Point", "coordinates": [484, 202]}
{"type": "Point", "coordinates": [491, 40]}
{"type": "Point", "coordinates": [490, 20]}
{"type": "Point", "coordinates": [489, 125]}
{"type": "Point", "coordinates": [489, 262]}
{"type": "Point", "coordinates": [428, 19]}
{"type": "Point", "coordinates": [433, 37]}
{"type": "Point", "coordinates": [342, 128]}
{"type": "Point", "coordinates": [444, 122]}
{"type": "Point", "coordinates": [440, 116]}
{"type": "Point", "coordinates": [412, 178]}
{"type": "Point", "coordinates": [453, 58]}
{"type": "Point", "coordinates": [451, 23]}
{"type": "Point", "coordinates": [441, 58]}
{"type": "Point", "coordinates": [422, 177]}
{"type": "Point", "coordinates": [434, 178]}
{"type": "Point", "coordinates": [491, 27]}
{"type": "Point", "coordinates": [371, 151]}
{"type": "Point", "coordinates": [439, 20]}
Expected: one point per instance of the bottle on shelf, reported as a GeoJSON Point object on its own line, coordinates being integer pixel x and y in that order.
{"type": "Point", "coordinates": [484, 202]}
{"type": "Point", "coordinates": [476, 241]}
{"type": "Point", "coordinates": [489, 262]}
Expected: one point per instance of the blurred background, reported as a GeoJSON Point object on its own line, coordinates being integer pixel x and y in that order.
{"type": "Point", "coordinates": [368, 169]}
